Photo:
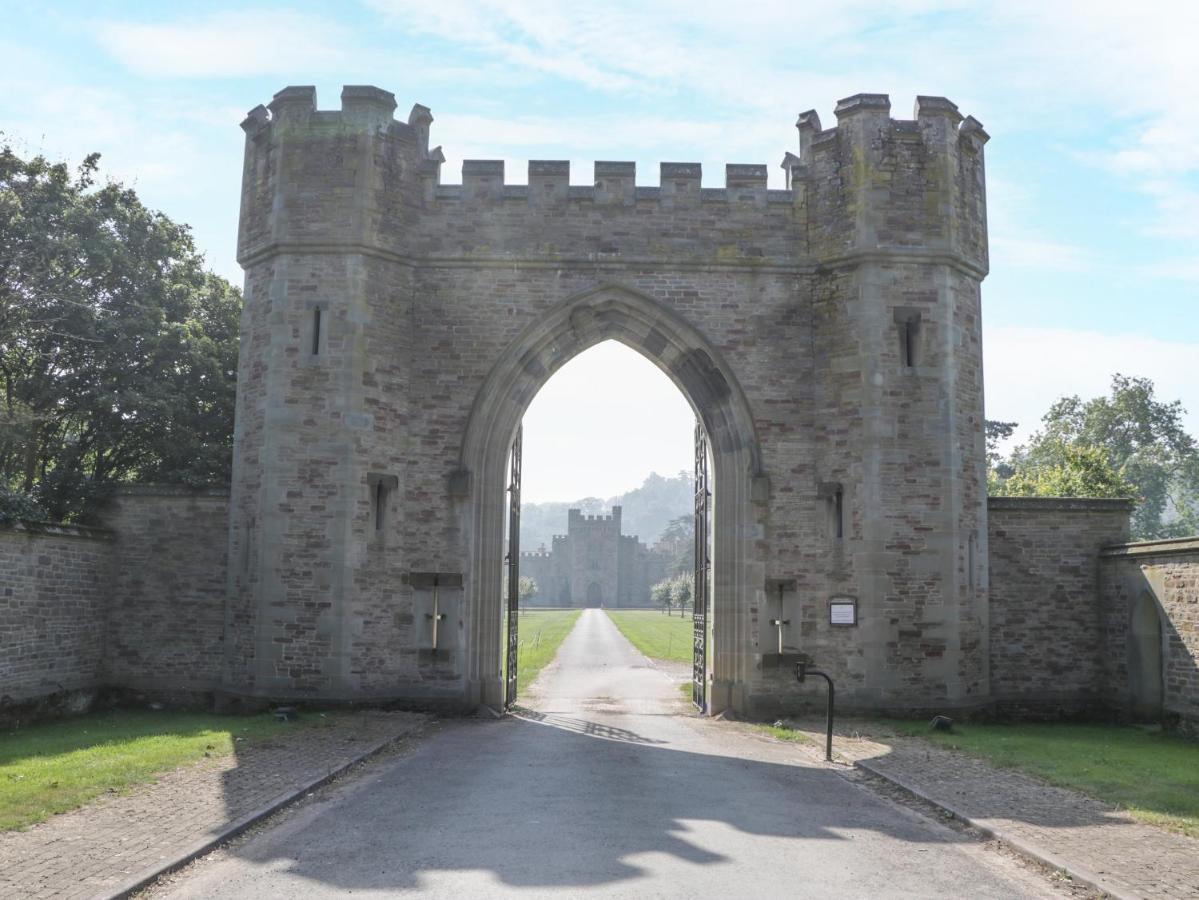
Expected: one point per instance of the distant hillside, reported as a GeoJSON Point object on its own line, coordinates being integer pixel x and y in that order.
{"type": "Point", "coordinates": [645, 511]}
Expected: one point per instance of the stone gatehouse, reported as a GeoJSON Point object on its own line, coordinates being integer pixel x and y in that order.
{"type": "Point", "coordinates": [827, 335]}
{"type": "Point", "coordinates": [593, 564]}
{"type": "Point", "coordinates": [395, 329]}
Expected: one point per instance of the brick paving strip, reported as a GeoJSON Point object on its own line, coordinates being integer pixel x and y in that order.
{"type": "Point", "coordinates": [122, 843]}
{"type": "Point", "coordinates": [1092, 842]}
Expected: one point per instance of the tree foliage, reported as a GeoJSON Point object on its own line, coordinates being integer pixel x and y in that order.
{"type": "Point", "coordinates": [118, 351]}
{"type": "Point", "coordinates": [1068, 470]}
{"type": "Point", "coordinates": [678, 543]}
{"type": "Point", "coordinates": [673, 593]}
{"type": "Point", "coordinates": [1128, 443]}
{"type": "Point", "coordinates": [527, 588]}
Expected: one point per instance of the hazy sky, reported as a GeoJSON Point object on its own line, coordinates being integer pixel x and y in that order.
{"type": "Point", "coordinates": [1093, 166]}
{"type": "Point", "coordinates": [604, 421]}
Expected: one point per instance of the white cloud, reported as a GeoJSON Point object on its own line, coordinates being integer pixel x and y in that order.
{"type": "Point", "coordinates": [1027, 369]}
{"type": "Point", "coordinates": [229, 44]}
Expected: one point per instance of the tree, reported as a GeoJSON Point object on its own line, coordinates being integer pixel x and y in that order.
{"type": "Point", "coordinates": [678, 542]}
{"type": "Point", "coordinates": [681, 592]}
{"type": "Point", "coordinates": [527, 588]}
{"type": "Point", "coordinates": [1072, 471]}
{"type": "Point", "coordinates": [998, 468]}
{"type": "Point", "coordinates": [118, 352]}
{"type": "Point", "coordinates": [660, 595]}
{"type": "Point", "coordinates": [1143, 443]}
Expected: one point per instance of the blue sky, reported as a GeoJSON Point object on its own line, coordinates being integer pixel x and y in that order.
{"type": "Point", "coordinates": [1093, 166]}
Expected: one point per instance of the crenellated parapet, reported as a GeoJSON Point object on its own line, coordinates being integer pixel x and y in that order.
{"type": "Point", "coordinates": [876, 184]}
{"type": "Point", "coordinates": [870, 185]}
{"type": "Point", "coordinates": [311, 174]}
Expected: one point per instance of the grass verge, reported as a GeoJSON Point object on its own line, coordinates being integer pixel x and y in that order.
{"type": "Point", "coordinates": [656, 635]}
{"type": "Point", "coordinates": [541, 632]}
{"type": "Point", "coordinates": [783, 733]}
{"type": "Point", "coordinates": [52, 767]}
{"type": "Point", "coordinates": [1154, 776]}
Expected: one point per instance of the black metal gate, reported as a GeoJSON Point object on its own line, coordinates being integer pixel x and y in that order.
{"type": "Point", "coordinates": [703, 565]}
{"type": "Point", "coordinates": [513, 571]}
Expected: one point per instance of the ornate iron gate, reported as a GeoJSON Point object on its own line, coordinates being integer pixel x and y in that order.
{"type": "Point", "coordinates": [703, 565]}
{"type": "Point", "coordinates": [513, 570]}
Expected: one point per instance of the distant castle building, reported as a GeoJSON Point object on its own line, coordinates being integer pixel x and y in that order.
{"type": "Point", "coordinates": [593, 564]}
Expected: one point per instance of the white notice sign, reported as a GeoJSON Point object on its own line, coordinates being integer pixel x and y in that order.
{"type": "Point", "coordinates": [843, 611]}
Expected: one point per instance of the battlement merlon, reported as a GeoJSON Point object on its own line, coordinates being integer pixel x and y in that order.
{"type": "Point", "coordinates": [870, 184]}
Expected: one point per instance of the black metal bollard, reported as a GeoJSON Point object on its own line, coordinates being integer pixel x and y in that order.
{"type": "Point", "coordinates": [801, 672]}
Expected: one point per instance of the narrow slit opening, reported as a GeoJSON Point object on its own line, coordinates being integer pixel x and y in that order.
{"type": "Point", "coordinates": [909, 332]}
{"type": "Point", "coordinates": [316, 331]}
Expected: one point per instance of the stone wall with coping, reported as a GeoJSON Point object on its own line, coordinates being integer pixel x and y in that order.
{"type": "Point", "coordinates": [166, 601]}
{"type": "Point", "coordinates": [54, 582]}
{"type": "Point", "coordinates": [1166, 573]}
{"type": "Point", "coordinates": [136, 605]}
{"type": "Point", "coordinates": [1047, 635]}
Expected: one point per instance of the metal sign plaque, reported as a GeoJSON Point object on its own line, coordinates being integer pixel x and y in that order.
{"type": "Point", "coordinates": [843, 611]}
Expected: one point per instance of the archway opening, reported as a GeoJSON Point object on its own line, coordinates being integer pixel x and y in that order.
{"type": "Point", "coordinates": [607, 523]}
{"type": "Point", "coordinates": [683, 354]}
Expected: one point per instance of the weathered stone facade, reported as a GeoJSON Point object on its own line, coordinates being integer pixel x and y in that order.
{"type": "Point", "coordinates": [53, 593]}
{"type": "Point", "coordinates": [1150, 594]}
{"type": "Point", "coordinates": [1048, 642]}
{"type": "Point", "coordinates": [395, 329]}
{"type": "Point", "coordinates": [593, 564]}
{"type": "Point", "coordinates": [135, 605]}
{"type": "Point", "coordinates": [165, 621]}
{"type": "Point", "coordinates": [1077, 628]}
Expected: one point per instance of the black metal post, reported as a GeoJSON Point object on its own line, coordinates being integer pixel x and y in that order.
{"type": "Point", "coordinates": [801, 672]}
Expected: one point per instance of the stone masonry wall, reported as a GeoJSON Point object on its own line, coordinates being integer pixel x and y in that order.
{"type": "Point", "coordinates": [167, 599]}
{"type": "Point", "coordinates": [53, 588]}
{"type": "Point", "coordinates": [1047, 641]}
{"type": "Point", "coordinates": [138, 604]}
{"type": "Point", "coordinates": [1166, 572]}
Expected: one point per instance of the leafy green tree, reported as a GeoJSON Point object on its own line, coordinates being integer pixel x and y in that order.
{"type": "Point", "coordinates": [118, 351]}
{"type": "Point", "coordinates": [660, 595]}
{"type": "Point", "coordinates": [681, 592]}
{"type": "Point", "coordinates": [998, 468]}
{"type": "Point", "coordinates": [527, 588]}
{"type": "Point", "coordinates": [678, 542]}
{"type": "Point", "coordinates": [1068, 470]}
{"type": "Point", "coordinates": [1148, 455]}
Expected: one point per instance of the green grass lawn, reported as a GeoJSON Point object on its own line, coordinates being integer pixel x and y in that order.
{"type": "Point", "coordinates": [1154, 776]}
{"type": "Point", "coordinates": [52, 767]}
{"type": "Point", "coordinates": [541, 632]}
{"type": "Point", "coordinates": [655, 634]}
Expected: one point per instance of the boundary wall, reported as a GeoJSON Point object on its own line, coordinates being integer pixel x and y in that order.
{"type": "Point", "coordinates": [1082, 622]}
{"type": "Point", "coordinates": [136, 605]}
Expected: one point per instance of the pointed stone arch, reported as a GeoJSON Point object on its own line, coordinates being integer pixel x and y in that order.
{"type": "Point", "coordinates": [614, 312]}
{"type": "Point", "coordinates": [1145, 657]}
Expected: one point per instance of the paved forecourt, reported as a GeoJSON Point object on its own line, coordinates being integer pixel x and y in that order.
{"type": "Point", "coordinates": [603, 785]}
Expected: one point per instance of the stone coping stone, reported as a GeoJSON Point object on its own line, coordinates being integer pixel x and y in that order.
{"type": "Point", "coordinates": [1082, 504]}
